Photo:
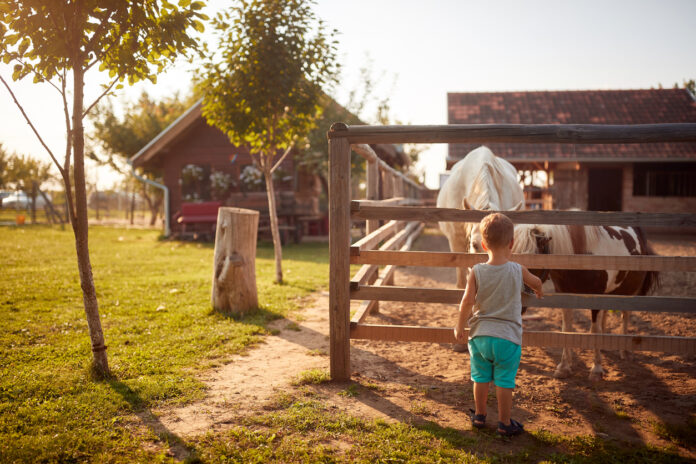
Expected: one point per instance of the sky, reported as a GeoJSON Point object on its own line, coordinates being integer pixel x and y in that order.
{"type": "Point", "coordinates": [420, 51]}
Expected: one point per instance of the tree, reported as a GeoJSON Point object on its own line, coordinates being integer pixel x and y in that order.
{"type": "Point", "coordinates": [264, 90]}
{"type": "Point", "coordinates": [367, 101]}
{"type": "Point", "coordinates": [4, 166]}
{"type": "Point", "coordinates": [27, 174]}
{"type": "Point", "coordinates": [122, 137]}
{"type": "Point", "coordinates": [57, 42]}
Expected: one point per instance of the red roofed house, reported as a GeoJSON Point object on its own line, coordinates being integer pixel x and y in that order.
{"type": "Point", "coordinates": [625, 177]}
{"type": "Point", "coordinates": [198, 163]}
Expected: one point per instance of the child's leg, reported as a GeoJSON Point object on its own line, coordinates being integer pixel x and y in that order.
{"type": "Point", "coordinates": [481, 397]}
{"type": "Point", "coordinates": [504, 396]}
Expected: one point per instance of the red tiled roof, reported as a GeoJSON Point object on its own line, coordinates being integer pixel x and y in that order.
{"type": "Point", "coordinates": [651, 106]}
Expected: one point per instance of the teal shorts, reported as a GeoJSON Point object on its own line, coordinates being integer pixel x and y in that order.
{"type": "Point", "coordinates": [494, 359]}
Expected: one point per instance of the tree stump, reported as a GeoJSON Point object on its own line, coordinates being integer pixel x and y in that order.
{"type": "Point", "coordinates": [234, 276]}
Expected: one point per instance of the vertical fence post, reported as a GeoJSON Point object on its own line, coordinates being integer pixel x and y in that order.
{"type": "Point", "coordinates": [339, 264]}
{"type": "Point", "coordinates": [372, 179]}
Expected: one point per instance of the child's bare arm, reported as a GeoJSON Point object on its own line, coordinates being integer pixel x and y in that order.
{"type": "Point", "coordinates": [532, 282]}
{"type": "Point", "coordinates": [465, 306]}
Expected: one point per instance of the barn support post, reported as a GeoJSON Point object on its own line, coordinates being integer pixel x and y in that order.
{"type": "Point", "coordinates": [339, 246]}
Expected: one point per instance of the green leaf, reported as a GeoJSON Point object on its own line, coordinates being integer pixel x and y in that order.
{"type": "Point", "coordinates": [24, 45]}
{"type": "Point", "coordinates": [184, 3]}
{"type": "Point", "coordinates": [197, 25]}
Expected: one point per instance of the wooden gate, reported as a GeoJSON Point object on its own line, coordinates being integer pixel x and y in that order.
{"type": "Point", "coordinates": [405, 220]}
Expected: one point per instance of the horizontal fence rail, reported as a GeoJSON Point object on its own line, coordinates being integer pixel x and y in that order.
{"type": "Point", "coordinates": [431, 214]}
{"type": "Point", "coordinates": [517, 133]}
{"type": "Point", "coordinates": [654, 304]}
{"type": "Point", "coordinates": [400, 333]}
{"type": "Point", "coordinates": [537, 261]}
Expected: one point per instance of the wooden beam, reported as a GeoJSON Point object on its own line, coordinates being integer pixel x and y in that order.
{"type": "Point", "coordinates": [517, 133]}
{"type": "Point", "coordinates": [372, 192]}
{"type": "Point", "coordinates": [581, 262]}
{"type": "Point", "coordinates": [428, 214]}
{"type": "Point", "coordinates": [339, 263]}
{"type": "Point", "coordinates": [365, 272]}
{"type": "Point", "coordinates": [680, 345]}
{"type": "Point", "coordinates": [656, 304]}
{"type": "Point", "coordinates": [401, 237]}
{"type": "Point", "coordinates": [371, 240]}
{"type": "Point", "coordinates": [394, 201]}
{"type": "Point", "coordinates": [366, 307]}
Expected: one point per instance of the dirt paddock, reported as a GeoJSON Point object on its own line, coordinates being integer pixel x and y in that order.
{"type": "Point", "coordinates": [429, 382]}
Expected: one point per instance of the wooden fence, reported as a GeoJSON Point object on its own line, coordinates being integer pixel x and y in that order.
{"type": "Point", "coordinates": [404, 222]}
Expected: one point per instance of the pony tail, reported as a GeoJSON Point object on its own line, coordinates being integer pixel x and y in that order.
{"type": "Point", "coordinates": [653, 280]}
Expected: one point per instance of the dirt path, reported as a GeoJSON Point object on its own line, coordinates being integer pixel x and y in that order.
{"type": "Point", "coordinates": [418, 381]}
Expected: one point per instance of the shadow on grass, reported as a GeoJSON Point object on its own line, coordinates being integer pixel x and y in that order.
{"type": "Point", "coordinates": [177, 446]}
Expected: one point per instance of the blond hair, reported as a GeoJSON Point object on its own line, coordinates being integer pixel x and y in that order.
{"type": "Point", "coordinates": [497, 230]}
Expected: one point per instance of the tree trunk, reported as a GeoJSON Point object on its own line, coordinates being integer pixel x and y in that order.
{"type": "Point", "coordinates": [152, 204]}
{"type": "Point", "coordinates": [234, 276]}
{"type": "Point", "coordinates": [132, 206]}
{"type": "Point", "coordinates": [277, 245]}
{"type": "Point", "coordinates": [96, 199]}
{"type": "Point", "coordinates": [81, 229]}
{"type": "Point", "coordinates": [154, 211]}
{"type": "Point", "coordinates": [33, 202]}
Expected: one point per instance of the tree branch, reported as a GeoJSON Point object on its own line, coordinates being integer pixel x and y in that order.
{"type": "Point", "coordinates": [30, 124]}
{"type": "Point", "coordinates": [34, 71]}
{"type": "Point", "coordinates": [84, 113]}
{"type": "Point", "coordinates": [287, 152]}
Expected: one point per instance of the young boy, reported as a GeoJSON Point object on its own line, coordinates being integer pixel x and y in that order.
{"type": "Point", "coordinates": [494, 291]}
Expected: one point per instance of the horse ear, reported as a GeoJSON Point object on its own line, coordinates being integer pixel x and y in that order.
{"type": "Point", "coordinates": [467, 205]}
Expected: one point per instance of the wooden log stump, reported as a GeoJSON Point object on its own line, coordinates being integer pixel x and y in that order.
{"type": "Point", "coordinates": [234, 276]}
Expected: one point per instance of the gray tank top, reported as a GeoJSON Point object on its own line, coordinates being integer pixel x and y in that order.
{"type": "Point", "coordinates": [498, 308]}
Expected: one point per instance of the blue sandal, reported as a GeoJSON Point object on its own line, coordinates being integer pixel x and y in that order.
{"type": "Point", "coordinates": [515, 428]}
{"type": "Point", "coordinates": [477, 420]}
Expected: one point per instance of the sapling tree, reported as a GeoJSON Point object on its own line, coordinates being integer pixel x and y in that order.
{"type": "Point", "coordinates": [264, 89]}
{"type": "Point", "coordinates": [58, 42]}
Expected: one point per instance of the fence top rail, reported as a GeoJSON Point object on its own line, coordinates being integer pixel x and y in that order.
{"type": "Point", "coordinates": [517, 133]}
{"type": "Point", "coordinates": [599, 218]}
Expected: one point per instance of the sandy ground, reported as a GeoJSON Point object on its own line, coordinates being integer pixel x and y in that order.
{"type": "Point", "coordinates": [429, 382]}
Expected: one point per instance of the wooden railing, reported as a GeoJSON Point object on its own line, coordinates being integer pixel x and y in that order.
{"type": "Point", "coordinates": [368, 287]}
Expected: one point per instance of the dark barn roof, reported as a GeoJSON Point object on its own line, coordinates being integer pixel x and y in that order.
{"type": "Point", "coordinates": [650, 106]}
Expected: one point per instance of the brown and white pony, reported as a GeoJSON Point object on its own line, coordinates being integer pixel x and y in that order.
{"type": "Point", "coordinates": [592, 240]}
{"type": "Point", "coordinates": [479, 181]}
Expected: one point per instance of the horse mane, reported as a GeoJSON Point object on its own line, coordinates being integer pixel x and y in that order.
{"type": "Point", "coordinates": [486, 182]}
{"type": "Point", "coordinates": [525, 238]}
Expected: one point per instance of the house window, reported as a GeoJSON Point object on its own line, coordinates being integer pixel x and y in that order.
{"type": "Point", "coordinates": [664, 179]}
{"type": "Point", "coordinates": [195, 182]}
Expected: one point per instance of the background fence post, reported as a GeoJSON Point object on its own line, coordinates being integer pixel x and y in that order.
{"type": "Point", "coordinates": [339, 248]}
{"type": "Point", "coordinates": [372, 180]}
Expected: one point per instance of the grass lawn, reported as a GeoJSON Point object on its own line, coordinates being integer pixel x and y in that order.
{"type": "Point", "coordinates": [154, 302]}
{"type": "Point", "coordinates": [161, 332]}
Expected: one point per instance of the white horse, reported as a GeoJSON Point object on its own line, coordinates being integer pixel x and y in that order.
{"type": "Point", "coordinates": [592, 240]}
{"type": "Point", "coordinates": [479, 181]}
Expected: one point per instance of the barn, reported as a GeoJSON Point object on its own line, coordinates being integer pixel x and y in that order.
{"type": "Point", "coordinates": [199, 164]}
{"type": "Point", "coordinates": [630, 177]}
